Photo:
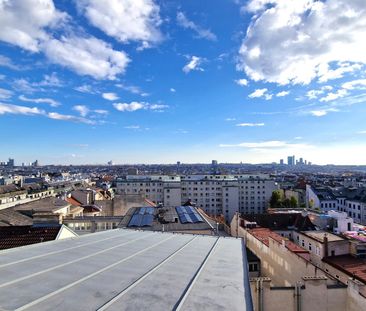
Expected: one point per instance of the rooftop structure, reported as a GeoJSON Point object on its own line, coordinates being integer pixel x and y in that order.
{"type": "Point", "coordinates": [174, 219]}
{"type": "Point", "coordinates": [127, 270]}
{"type": "Point", "coordinates": [319, 235]}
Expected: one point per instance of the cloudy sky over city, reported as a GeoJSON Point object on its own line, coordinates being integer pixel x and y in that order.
{"type": "Point", "coordinates": [148, 81]}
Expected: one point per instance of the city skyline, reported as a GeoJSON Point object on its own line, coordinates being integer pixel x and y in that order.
{"type": "Point", "coordinates": [78, 85]}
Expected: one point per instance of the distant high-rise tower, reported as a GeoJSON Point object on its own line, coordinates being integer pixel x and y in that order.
{"type": "Point", "coordinates": [10, 163]}
{"type": "Point", "coordinates": [281, 162]}
{"type": "Point", "coordinates": [291, 160]}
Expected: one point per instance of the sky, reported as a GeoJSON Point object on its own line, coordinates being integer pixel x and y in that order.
{"type": "Point", "coordinates": [149, 81]}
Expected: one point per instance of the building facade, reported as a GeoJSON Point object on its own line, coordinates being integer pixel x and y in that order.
{"type": "Point", "coordinates": [215, 194]}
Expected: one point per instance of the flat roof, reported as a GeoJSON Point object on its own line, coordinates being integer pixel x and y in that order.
{"type": "Point", "coordinates": [319, 236]}
{"type": "Point", "coordinates": [125, 269]}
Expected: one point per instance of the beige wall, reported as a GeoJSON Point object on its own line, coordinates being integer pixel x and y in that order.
{"type": "Point", "coordinates": [315, 295]}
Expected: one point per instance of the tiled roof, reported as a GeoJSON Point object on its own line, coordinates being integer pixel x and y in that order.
{"type": "Point", "coordinates": [73, 201]}
{"type": "Point", "coordinates": [15, 236]}
{"type": "Point", "coordinates": [350, 265]}
{"type": "Point", "coordinates": [263, 234]}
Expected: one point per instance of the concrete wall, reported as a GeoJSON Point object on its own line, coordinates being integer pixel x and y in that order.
{"type": "Point", "coordinates": [313, 295]}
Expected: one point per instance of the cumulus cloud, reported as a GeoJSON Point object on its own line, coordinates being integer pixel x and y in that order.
{"type": "Point", "coordinates": [250, 124]}
{"type": "Point", "coordinates": [82, 109]}
{"type": "Point", "coordinates": [322, 112]}
{"type": "Point", "coordinates": [29, 24]}
{"type": "Point", "coordinates": [134, 106]}
{"type": "Point", "coordinates": [334, 95]}
{"type": "Point", "coordinates": [49, 101]}
{"type": "Point", "coordinates": [24, 22]}
{"type": "Point", "coordinates": [110, 96]}
{"type": "Point", "coordinates": [124, 20]}
{"type": "Point", "coordinates": [242, 82]}
{"type": "Point", "coordinates": [303, 40]}
{"type": "Point", "coordinates": [193, 64]}
{"type": "Point", "coordinates": [283, 93]}
{"type": "Point", "coordinates": [261, 93]}
{"type": "Point", "coordinates": [201, 32]}
{"type": "Point", "coordinates": [87, 56]}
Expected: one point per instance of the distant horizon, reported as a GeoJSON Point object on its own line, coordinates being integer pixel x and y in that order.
{"type": "Point", "coordinates": [27, 164]}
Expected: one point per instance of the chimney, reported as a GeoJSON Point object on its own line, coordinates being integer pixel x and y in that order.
{"type": "Point", "coordinates": [325, 241]}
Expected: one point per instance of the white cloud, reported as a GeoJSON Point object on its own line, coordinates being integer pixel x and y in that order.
{"type": "Point", "coordinates": [82, 109]}
{"type": "Point", "coordinates": [65, 117]}
{"type": "Point", "coordinates": [22, 110]}
{"type": "Point", "coordinates": [110, 96]}
{"type": "Point", "coordinates": [323, 112]}
{"type": "Point", "coordinates": [333, 96]}
{"type": "Point", "coordinates": [23, 22]}
{"type": "Point", "coordinates": [201, 32]}
{"type": "Point", "coordinates": [230, 119]}
{"type": "Point", "coordinates": [172, 90]}
{"type": "Point", "coordinates": [51, 81]}
{"type": "Point", "coordinates": [134, 106]}
{"type": "Point", "coordinates": [359, 84]}
{"type": "Point", "coordinates": [23, 85]}
{"type": "Point", "coordinates": [14, 109]}
{"type": "Point", "coordinates": [250, 124]}
{"type": "Point", "coordinates": [326, 73]}
{"type": "Point", "coordinates": [5, 94]}
{"type": "Point", "coordinates": [361, 132]}
{"type": "Point", "coordinates": [242, 82]}
{"type": "Point", "coordinates": [87, 56]}
{"type": "Point", "coordinates": [260, 93]}
{"type": "Point", "coordinates": [49, 101]}
{"type": "Point", "coordinates": [132, 89]}
{"type": "Point", "coordinates": [101, 111]}
{"type": "Point", "coordinates": [299, 41]}
{"type": "Point", "coordinates": [85, 88]}
{"type": "Point", "coordinates": [7, 62]}
{"type": "Point", "coordinates": [193, 64]}
{"type": "Point", "coordinates": [132, 127]}
{"type": "Point", "coordinates": [125, 20]}
{"type": "Point", "coordinates": [283, 93]}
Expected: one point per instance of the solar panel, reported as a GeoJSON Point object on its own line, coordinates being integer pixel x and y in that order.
{"type": "Point", "coordinates": [142, 216]}
{"type": "Point", "coordinates": [147, 220]}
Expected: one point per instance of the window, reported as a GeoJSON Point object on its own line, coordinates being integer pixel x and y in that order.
{"type": "Point", "coordinates": [253, 267]}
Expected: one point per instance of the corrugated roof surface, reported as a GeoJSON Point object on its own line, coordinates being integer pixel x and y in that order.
{"type": "Point", "coordinates": [127, 270]}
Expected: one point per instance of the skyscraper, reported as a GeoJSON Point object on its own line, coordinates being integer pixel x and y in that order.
{"type": "Point", "coordinates": [291, 160]}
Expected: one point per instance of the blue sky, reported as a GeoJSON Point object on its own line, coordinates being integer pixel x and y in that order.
{"type": "Point", "coordinates": [147, 81]}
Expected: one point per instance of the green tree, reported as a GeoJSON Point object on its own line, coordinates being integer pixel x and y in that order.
{"type": "Point", "coordinates": [276, 198]}
{"type": "Point", "coordinates": [293, 202]}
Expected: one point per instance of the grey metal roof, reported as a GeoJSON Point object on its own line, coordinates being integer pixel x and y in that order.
{"type": "Point", "coordinates": [127, 270]}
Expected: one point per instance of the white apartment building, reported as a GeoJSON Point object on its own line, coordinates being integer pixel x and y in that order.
{"type": "Point", "coordinates": [344, 201]}
{"type": "Point", "coordinates": [215, 194]}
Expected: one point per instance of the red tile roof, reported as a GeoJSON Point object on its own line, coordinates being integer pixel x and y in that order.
{"type": "Point", "coordinates": [263, 234]}
{"type": "Point", "coordinates": [73, 201]}
{"type": "Point", "coordinates": [350, 265]}
{"type": "Point", "coordinates": [15, 236]}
